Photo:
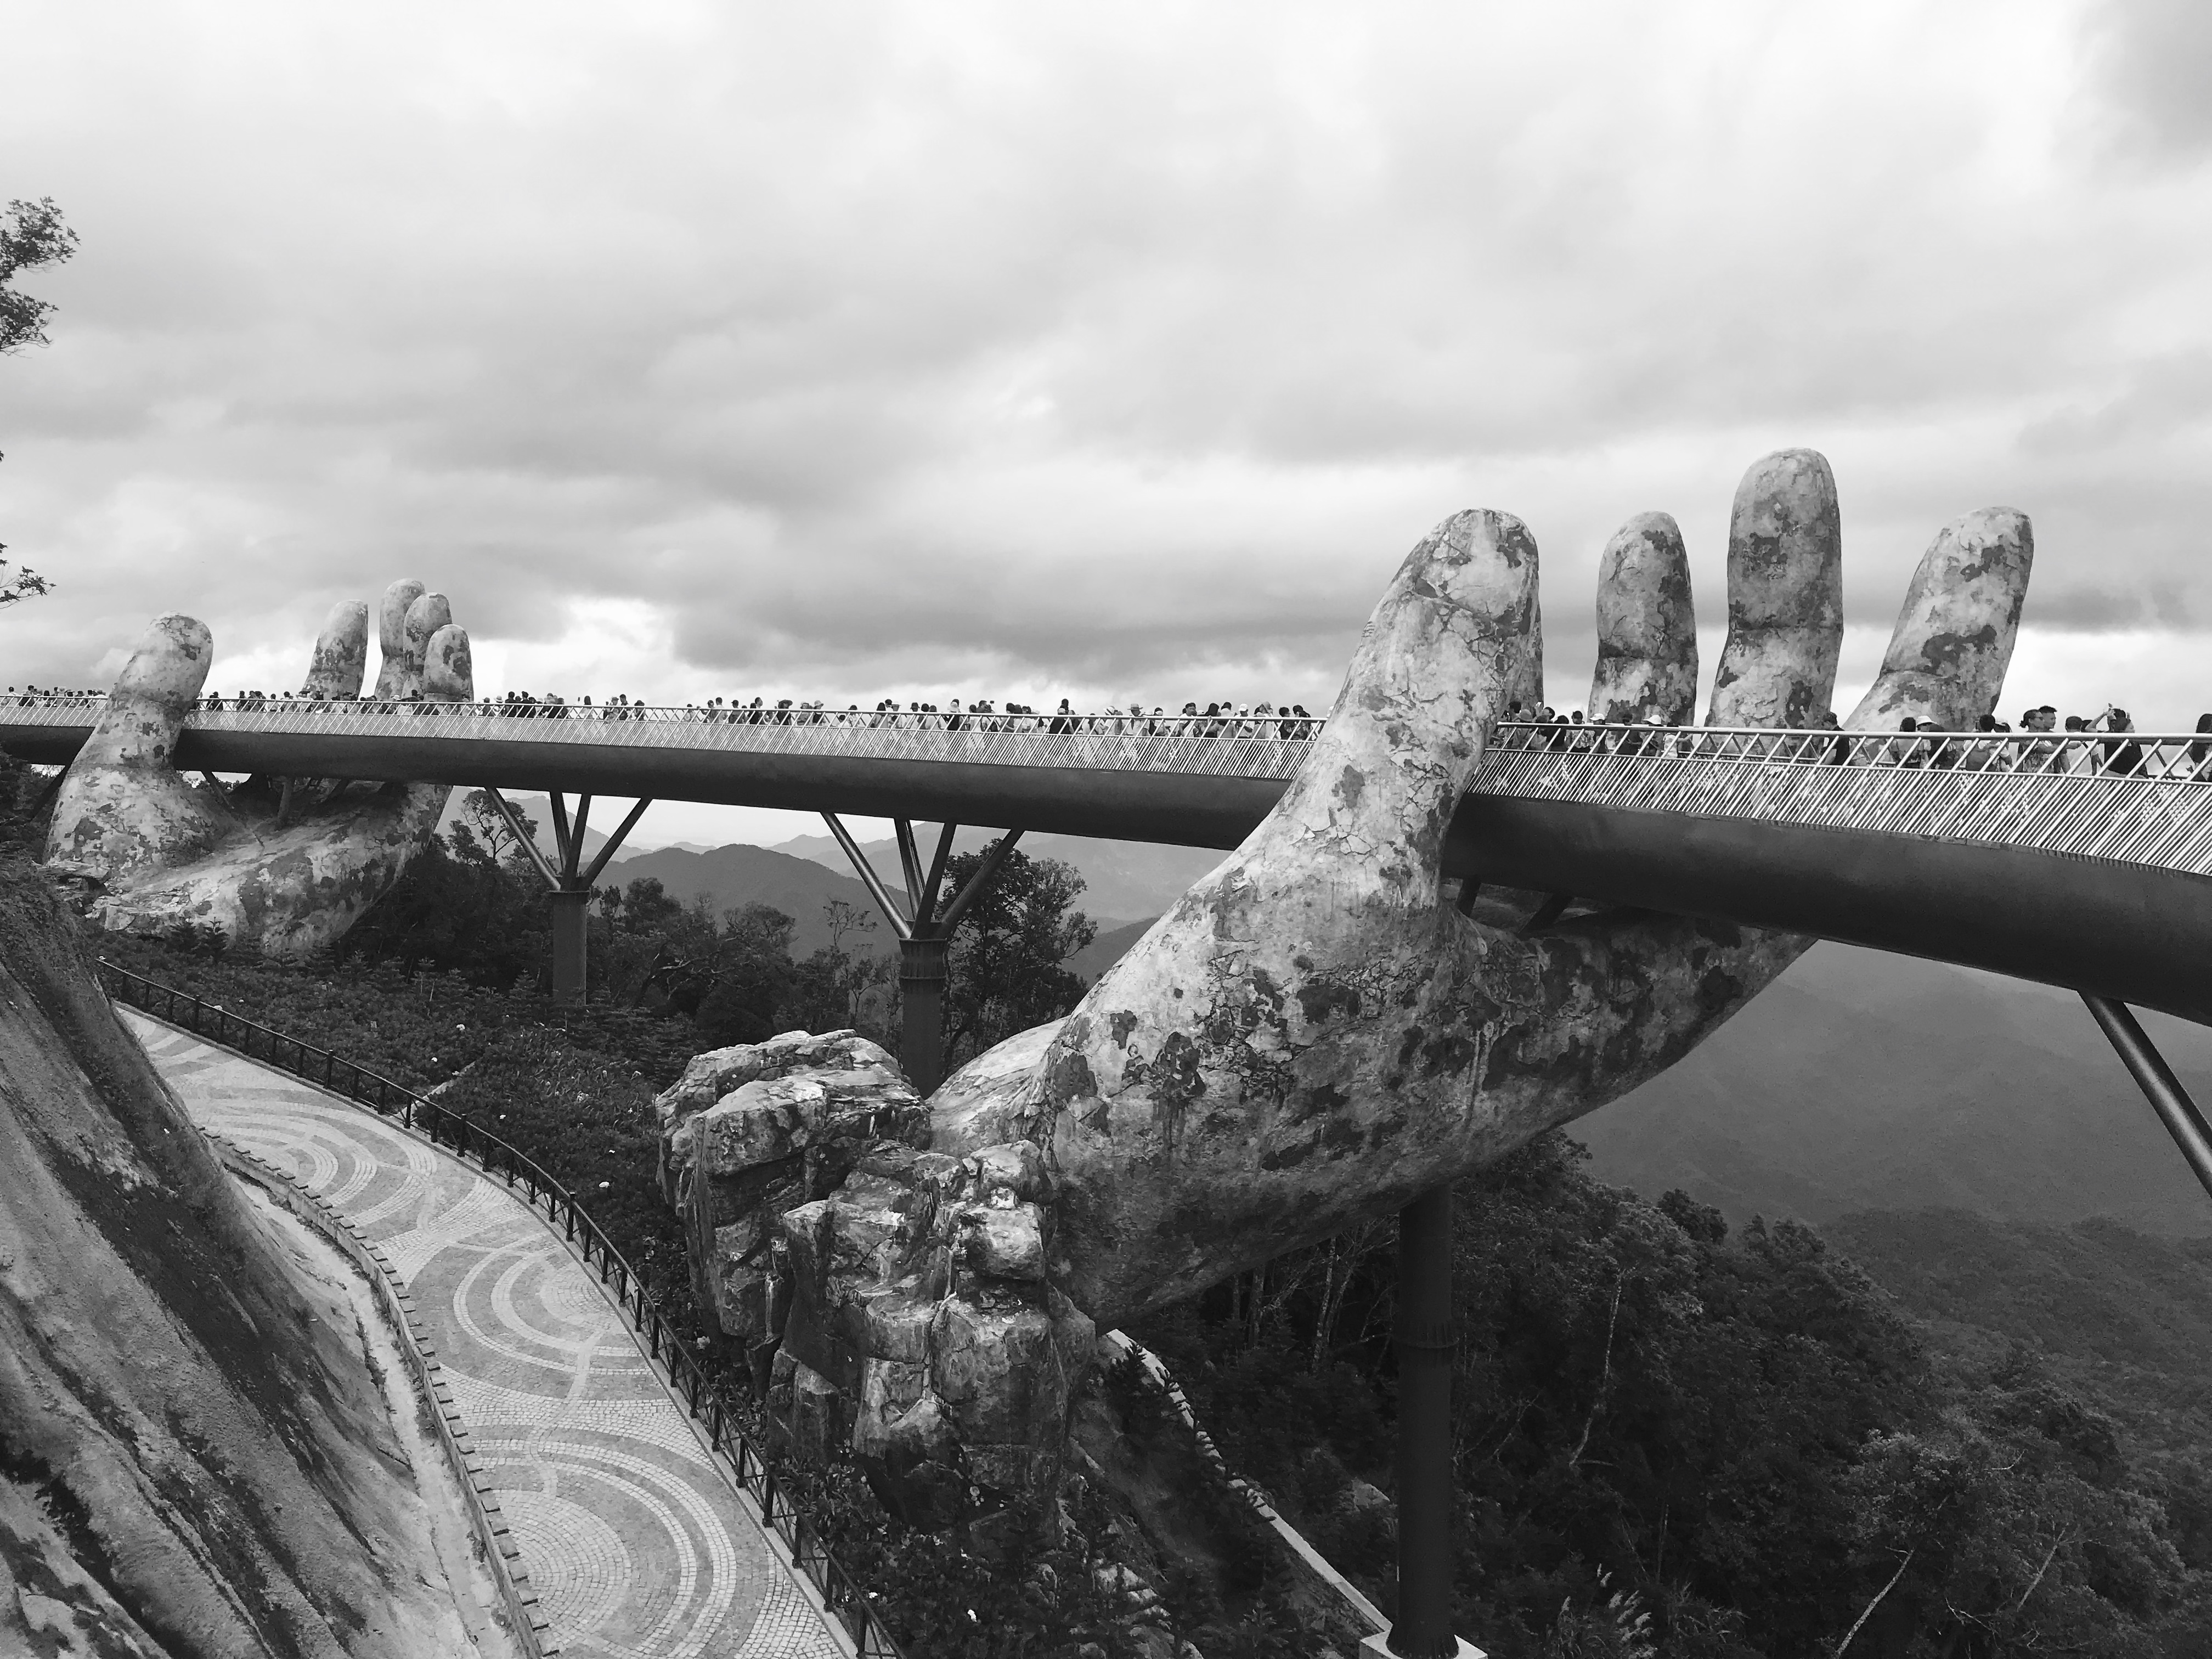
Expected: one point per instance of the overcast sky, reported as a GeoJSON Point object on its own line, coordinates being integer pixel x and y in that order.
{"type": "Point", "coordinates": [1108, 351]}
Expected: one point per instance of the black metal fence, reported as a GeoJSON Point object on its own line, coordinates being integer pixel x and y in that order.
{"type": "Point", "coordinates": [744, 1461]}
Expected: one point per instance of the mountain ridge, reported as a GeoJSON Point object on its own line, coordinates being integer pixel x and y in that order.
{"type": "Point", "coordinates": [1863, 1081]}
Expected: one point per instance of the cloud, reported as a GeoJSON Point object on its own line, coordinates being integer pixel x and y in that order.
{"type": "Point", "coordinates": [847, 351]}
{"type": "Point", "coordinates": [2153, 60]}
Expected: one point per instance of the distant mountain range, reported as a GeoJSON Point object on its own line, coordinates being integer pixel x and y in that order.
{"type": "Point", "coordinates": [1863, 1081]}
{"type": "Point", "coordinates": [1102, 952]}
{"type": "Point", "coordinates": [1120, 878]}
{"type": "Point", "coordinates": [738, 875]}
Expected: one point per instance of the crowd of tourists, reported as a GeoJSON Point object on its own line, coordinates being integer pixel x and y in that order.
{"type": "Point", "coordinates": [1289, 722]}
{"type": "Point", "coordinates": [2103, 742]}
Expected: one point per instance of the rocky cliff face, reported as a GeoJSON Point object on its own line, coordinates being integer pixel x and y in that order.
{"type": "Point", "coordinates": [193, 1457]}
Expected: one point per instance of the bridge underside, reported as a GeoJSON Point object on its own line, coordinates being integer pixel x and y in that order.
{"type": "Point", "coordinates": [2132, 932]}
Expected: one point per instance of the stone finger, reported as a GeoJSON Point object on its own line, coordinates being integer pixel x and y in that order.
{"type": "Point", "coordinates": [428, 614]}
{"type": "Point", "coordinates": [448, 676]}
{"type": "Point", "coordinates": [1647, 628]}
{"type": "Point", "coordinates": [122, 808]}
{"type": "Point", "coordinates": [341, 658]}
{"type": "Point", "coordinates": [1954, 640]}
{"type": "Point", "coordinates": [392, 637]}
{"type": "Point", "coordinates": [1785, 596]}
{"type": "Point", "coordinates": [1455, 642]}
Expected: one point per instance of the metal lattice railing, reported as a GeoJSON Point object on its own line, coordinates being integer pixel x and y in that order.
{"type": "Point", "coordinates": [1259, 746]}
{"type": "Point", "coordinates": [2138, 798]}
{"type": "Point", "coordinates": [741, 1461]}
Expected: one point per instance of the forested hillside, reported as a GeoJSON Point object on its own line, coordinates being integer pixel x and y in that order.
{"type": "Point", "coordinates": [1864, 1081]}
{"type": "Point", "coordinates": [1677, 1438]}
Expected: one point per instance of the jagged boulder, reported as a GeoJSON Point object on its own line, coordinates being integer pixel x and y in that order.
{"type": "Point", "coordinates": [895, 1298]}
{"type": "Point", "coordinates": [752, 1131]}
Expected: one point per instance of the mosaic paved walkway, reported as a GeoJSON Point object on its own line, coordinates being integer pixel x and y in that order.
{"type": "Point", "coordinates": [635, 1543]}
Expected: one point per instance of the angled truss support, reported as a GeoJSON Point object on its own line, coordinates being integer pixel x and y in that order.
{"type": "Point", "coordinates": [923, 925]}
{"type": "Point", "coordinates": [2183, 1120]}
{"type": "Point", "coordinates": [568, 887]}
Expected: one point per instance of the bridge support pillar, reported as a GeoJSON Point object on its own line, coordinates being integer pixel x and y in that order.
{"type": "Point", "coordinates": [1425, 1339]}
{"type": "Point", "coordinates": [571, 914]}
{"type": "Point", "coordinates": [568, 888]}
{"type": "Point", "coordinates": [921, 1012]}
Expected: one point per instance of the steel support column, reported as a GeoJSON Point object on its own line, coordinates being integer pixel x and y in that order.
{"type": "Point", "coordinates": [1422, 1629]}
{"type": "Point", "coordinates": [922, 1013]}
{"type": "Point", "coordinates": [570, 909]}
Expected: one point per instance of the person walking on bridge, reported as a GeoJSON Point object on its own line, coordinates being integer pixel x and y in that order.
{"type": "Point", "coordinates": [2123, 759]}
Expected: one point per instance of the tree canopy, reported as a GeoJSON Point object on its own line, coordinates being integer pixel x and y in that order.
{"type": "Point", "coordinates": [1004, 971]}
{"type": "Point", "coordinates": [33, 234]}
{"type": "Point", "coordinates": [1673, 1439]}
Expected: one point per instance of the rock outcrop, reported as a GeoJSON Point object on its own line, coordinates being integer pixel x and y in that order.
{"type": "Point", "coordinates": [884, 1293]}
{"type": "Point", "coordinates": [1316, 1034]}
{"type": "Point", "coordinates": [279, 866]}
{"type": "Point", "coordinates": [751, 1131]}
{"type": "Point", "coordinates": [195, 1462]}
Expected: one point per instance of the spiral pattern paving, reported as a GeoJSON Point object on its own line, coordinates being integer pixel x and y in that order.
{"type": "Point", "coordinates": [635, 1543]}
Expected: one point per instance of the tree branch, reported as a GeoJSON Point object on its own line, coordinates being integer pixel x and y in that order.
{"type": "Point", "coordinates": [2048, 1556]}
{"type": "Point", "coordinates": [1605, 1375]}
{"type": "Point", "coordinates": [1876, 1603]}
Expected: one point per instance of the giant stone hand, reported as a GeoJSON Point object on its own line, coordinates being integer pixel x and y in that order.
{"type": "Point", "coordinates": [281, 866]}
{"type": "Point", "coordinates": [1316, 1032]}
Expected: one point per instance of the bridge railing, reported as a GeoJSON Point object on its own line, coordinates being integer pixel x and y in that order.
{"type": "Point", "coordinates": [2140, 798]}
{"type": "Point", "coordinates": [1256, 746]}
{"type": "Point", "coordinates": [743, 1461]}
{"type": "Point", "coordinates": [2133, 797]}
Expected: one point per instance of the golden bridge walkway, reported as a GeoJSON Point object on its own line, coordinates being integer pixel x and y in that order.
{"type": "Point", "coordinates": [634, 1542]}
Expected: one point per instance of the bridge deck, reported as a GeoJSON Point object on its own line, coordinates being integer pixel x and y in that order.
{"type": "Point", "coordinates": [2139, 799]}
{"type": "Point", "coordinates": [2082, 861]}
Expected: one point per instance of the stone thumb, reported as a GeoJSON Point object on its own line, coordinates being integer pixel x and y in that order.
{"type": "Point", "coordinates": [1455, 640]}
{"type": "Point", "coordinates": [152, 695]}
{"type": "Point", "coordinates": [122, 807]}
{"type": "Point", "coordinates": [341, 653]}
